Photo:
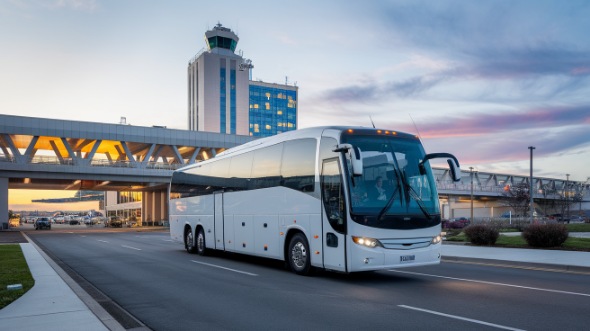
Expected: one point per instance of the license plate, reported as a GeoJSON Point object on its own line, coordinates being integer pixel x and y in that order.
{"type": "Point", "coordinates": [407, 258]}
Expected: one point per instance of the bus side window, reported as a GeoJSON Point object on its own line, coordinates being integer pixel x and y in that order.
{"type": "Point", "coordinates": [333, 195]}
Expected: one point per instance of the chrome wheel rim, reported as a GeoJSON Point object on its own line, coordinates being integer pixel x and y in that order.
{"type": "Point", "coordinates": [200, 242]}
{"type": "Point", "coordinates": [189, 240]}
{"type": "Point", "coordinates": [299, 255]}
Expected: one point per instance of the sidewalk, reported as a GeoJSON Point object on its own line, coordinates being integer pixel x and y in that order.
{"type": "Point", "coordinates": [555, 260]}
{"type": "Point", "coordinates": [56, 302]}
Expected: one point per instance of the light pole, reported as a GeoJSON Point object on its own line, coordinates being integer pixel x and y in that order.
{"type": "Point", "coordinates": [567, 194]}
{"type": "Point", "coordinates": [471, 174]}
{"type": "Point", "coordinates": [532, 208]}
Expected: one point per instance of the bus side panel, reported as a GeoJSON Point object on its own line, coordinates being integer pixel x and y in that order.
{"type": "Point", "coordinates": [244, 234]}
{"type": "Point", "coordinates": [176, 228]}
{"type": "Point", "coordinates": [316, 240]}
{"type": "Point", "coordinates": [266, 229]}
{"type": "Point", "coordinates": [228, 232]}
{"type": "Point", "coordinates": [219, 241]}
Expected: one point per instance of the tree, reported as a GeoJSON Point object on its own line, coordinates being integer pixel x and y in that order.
{"type": "Point", "coordinates": [10, 214]}
{"type": "Point", "coordinates": [518, 198]}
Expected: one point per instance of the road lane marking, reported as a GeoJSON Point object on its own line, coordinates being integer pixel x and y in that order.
{"type": "Point", "coordinates": [103, 241]}
{"type": "Point", "coordinates": [493, 283]}
{"type": "Point", "coordinates": [225, 268]}
{"type": "Point", "coordinates": [461, 318]}
{"type": "Point", "coordinates": [135, 248]}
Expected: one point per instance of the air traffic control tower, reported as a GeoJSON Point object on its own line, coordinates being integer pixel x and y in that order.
{"type": "Point", "coordinates": [218, 85]}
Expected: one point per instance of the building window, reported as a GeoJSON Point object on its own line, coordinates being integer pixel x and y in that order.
{"type": "Point", "coordinates": [280, 108]}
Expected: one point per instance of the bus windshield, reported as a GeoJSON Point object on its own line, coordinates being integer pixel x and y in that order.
{"type": "Point", "coordinates": [392, 193]}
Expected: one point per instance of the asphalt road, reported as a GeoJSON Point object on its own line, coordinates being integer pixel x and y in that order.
{"type": "Point", "coordinates": [166, 288]}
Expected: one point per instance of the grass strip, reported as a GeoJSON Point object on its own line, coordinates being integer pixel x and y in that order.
{"type": "Point", "coordinates": [13, 270]}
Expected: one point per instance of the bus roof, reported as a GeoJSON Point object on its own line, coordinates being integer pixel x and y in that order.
{"type": "Point", "coordinates": [312, 132]}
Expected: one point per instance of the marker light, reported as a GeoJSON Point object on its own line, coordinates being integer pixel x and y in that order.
{"type": "Point", "coordinates": [367, 242]}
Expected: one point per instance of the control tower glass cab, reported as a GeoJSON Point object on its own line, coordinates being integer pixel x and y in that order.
{"type": "Point", "coordinates": [221, 38]}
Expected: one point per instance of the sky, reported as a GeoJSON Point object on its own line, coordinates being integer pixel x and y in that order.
{"type": "Point", "coordinates": [483, 80]}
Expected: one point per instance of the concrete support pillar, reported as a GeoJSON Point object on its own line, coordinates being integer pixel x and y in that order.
{"type": "Point", "coordinates": [3, 201]}
{"type": "Point", "coordinates": [164, 205]}
{"type": "Point", "coordinates": [146, 206]}
{"type": "Point", "coordinates": [156, 206]}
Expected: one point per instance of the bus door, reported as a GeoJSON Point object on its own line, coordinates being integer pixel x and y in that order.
{"type": "Point", "coordinates": [218, 216]}
{"type": "Point", "coordinates": [333, 216]}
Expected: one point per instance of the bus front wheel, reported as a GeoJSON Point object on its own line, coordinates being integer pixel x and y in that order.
{"type": "Point", "coordinates": [298, 255]}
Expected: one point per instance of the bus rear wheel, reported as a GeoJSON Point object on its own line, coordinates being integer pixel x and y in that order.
{"type": "Point", "coordinates": [189, 242]}
{"type": "Point", "coordinates": [201, 249]}
{"type": "Point", "coordinates": [298, 255]}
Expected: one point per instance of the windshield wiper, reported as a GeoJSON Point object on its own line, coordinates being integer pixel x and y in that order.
{"type": "Point", "coordinates": [412, 193]}
{"type": "Point", "coordinates": [387, 205]}
{"type": "Point", "coordinates": [390, 201]}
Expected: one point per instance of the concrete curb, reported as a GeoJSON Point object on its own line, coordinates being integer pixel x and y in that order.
{"type": "Point", "coordinates": [94, 306]}
{"type": "Point", "coordinates": [518, 264]}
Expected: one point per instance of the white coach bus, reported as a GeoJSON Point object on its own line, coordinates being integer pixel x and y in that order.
{"type": "Point", "coordinates": [338, 198]}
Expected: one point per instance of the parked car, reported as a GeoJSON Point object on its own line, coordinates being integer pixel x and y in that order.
{"type": "Point", "coordinates": [459, 223]}
{"type": "Point", "coordinates": [42, 223]}
{"type": "Point", "coordinates": [114, 222]}
{"type": "Point", "coordinates": [576, 219]}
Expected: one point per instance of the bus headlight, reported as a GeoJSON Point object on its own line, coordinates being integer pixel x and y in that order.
{"type": "Point", "coordinates": [367, 242]}
{"type": "Point", "coordinates": [436, 240]}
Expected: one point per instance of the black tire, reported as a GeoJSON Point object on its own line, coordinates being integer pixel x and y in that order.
{"type": "Point", "coordinates": [298, 255]}
{"type": "Point", "coordinates": [189, 242]}
{"type": "Point", "coordinates": [200, 243]}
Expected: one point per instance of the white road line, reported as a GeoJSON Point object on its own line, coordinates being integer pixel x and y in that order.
{"type": "Point", "coordinates": [224, 268]}
{"type": "Point", "coordinates": [102, 241]}
{"type": "Point", "coordinates": [493, 283]}
{"type": "Point", "coordinates": [461, 318]}
{"type": "Point", "coordinates": [135, 248]}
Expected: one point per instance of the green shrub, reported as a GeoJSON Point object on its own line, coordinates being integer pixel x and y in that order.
{"type": "Point", "coordinates": [480, 234]}
{"type": "Point", "coordinates": [545, 235]}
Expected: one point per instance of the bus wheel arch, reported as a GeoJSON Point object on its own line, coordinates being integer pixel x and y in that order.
{"type": "Point", "coordinates": [189, 241]}
{"type": "Point", "coordinates": [297, 253]}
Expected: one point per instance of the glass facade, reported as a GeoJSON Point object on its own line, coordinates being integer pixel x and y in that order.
{"type": "Point", "coordinates": [273, 110]}
{"type": "Point", "coordinates": [232, 97]}
{"type": "Point", "coordinates": [222, 96]}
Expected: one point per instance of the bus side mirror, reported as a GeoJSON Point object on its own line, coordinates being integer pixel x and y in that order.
{"type": "Point", "coordinates": [455, 170]}
{"type": "Point", "coordinates": [454, 167]}
{"type": "Point", "coordinates": [354, 154]}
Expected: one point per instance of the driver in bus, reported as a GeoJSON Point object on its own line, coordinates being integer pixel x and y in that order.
{"type": "Point", "coordinates": [377, 192]}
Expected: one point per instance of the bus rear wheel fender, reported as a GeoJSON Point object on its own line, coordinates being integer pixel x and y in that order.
{"type": "Point", "coordinates": [298, 254]}
{"type": "Point", "coordinates": [189, 241]}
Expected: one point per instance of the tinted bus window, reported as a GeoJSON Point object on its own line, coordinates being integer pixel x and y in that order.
{"type": "Point", "coordinates": [239, 172]}
{"type": "Point", "coordinates": [298, 168]}
{"type": "Point", "coordinates": [266, 167]}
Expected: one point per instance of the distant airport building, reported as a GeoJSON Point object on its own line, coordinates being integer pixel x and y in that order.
{"type": "Point", "coordinates": [223, 98]}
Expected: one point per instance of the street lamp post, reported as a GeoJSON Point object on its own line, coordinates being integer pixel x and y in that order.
{"type": "Point", "coordinates": [567, 194]}
{"type": "Point", "coordinates": [471, 174]}
{"type": "Point", "coordinates": [532, 208]}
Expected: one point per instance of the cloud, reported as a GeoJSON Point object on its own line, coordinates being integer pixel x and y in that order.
{"type": "Point", "coordinates": [492, 122]}
{"type": "Point", "coordinates": [79, 5]}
